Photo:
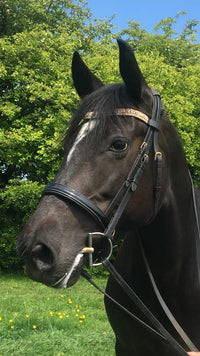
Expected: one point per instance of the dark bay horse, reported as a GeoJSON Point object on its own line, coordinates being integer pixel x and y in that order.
{"type": "Point", "coordinates": [125, 170]}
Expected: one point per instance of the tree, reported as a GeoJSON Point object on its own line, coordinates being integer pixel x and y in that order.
{"type": "Point", "coordinates": [176, 49]}
{"type": "Point", "coordinates": [171, 63]}
{"type": "Point", "coordinates": [17, 16]}
{"type": "Point", "coordinates": [36, 102]}
{"type": "Point", "coordinates": [37, 98]}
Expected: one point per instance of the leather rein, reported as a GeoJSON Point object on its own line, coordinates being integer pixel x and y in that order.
{"type": "Point", "coordinates": [115, 210]}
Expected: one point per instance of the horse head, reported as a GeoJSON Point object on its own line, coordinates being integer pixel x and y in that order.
{"type": "Point", "coordinates": [107, 139]}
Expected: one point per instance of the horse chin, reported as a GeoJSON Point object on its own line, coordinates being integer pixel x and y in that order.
{"type": "Point", "coordinates": [72, 275]}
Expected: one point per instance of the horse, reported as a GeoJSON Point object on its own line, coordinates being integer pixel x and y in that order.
{"type": "Point", "coordinates": [124, 177]}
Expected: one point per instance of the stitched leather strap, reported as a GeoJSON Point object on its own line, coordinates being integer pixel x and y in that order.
{"type": "Point", "coordinates": [66, 193]}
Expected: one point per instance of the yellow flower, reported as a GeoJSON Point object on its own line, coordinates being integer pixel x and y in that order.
{"type": "Point", "coordinates": [48, 298]}
{"type": "Point", "coordinates": [15, 314]}
{"type": "Point", "coordinates": [69, 301]}
{"type": "Point", "coordinates": [12, 326]}
{"type": "Point", "coordinates": [78, 310]}
{"type": "Point", "coordinates": [82, 316]}
{"type": "Point", "coordinates": [60, 316]}
{"type": "Point", "coordinates": [62, 295]}
{"type": "Point", "coordinates": [34, 326]}
{"type": "Point", "coordinates": [67, 315]}
{"type": "Point", "coordinates": [27, 316]}
{"type": "Point", "coordinates": [80, 321]}
{"type": "Point", "coordinates": [51, 313]}
{"type": "Point", "coordinates": [76, 315]}
{"type": "Point", "coordinates": [59, 313]}
{"type": "Point", "coordinates": [0, 320]}
{"type": "Point", "coordinates": [10, 321]}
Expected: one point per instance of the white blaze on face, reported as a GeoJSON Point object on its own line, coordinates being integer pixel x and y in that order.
{"type": "Point", "coordinates": [85, 129]}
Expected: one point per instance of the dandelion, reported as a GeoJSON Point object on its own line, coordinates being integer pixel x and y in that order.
{"type": "Point", "coordinates": [60, 316]}
{"type": "Point", "coordinates": [27, 316]}
{"type": "Point", "coordinates": [62, 295]}
{"type": "Point", "coordinates": [10, 321]}
{"type": "Point", "coordinates": [76, 315]}
{"type": "Point", "coordinates": [78, 310]}
{"type": "Point", "coordinates": [12, 326]}
{"type": "Point", "coordinates": [80, 321]}
{"type": "Point", "coordinates": [48, 298]}
{"type": "Point", "coordinates": [69, 301]}
{"type": "Point", "coordinates": [82, 317]}
{"type": "Point", "coordinates": [58, 313]}
{"type": "Point", "coordinates": [0, 320]}
{"type": "Point", "coordinates": [67, 315]}
{"type": "Point", "coordinates": [15, 314]}
{"type": "Point", "coordinates": [34, 326]}
{"type": "Point", "coordinates": [51, 313]}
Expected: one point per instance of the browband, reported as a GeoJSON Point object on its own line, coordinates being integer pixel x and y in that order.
{"type": "Point", "coordinates": [122, 112]}
{"type": "Point", "coordinates": [127, 112]}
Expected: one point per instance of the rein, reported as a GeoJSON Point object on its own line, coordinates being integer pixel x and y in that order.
{"type": "Point", "coordinates": [158, 329]}
{"type": "Point", "coordinates": [116, 209]}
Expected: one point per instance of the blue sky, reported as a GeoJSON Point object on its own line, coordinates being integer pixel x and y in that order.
{"type": "Point", "coordinates": [147, 12]}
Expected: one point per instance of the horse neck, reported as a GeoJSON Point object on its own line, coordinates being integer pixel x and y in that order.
{"type": "Point", "coordinates": [171, 241]}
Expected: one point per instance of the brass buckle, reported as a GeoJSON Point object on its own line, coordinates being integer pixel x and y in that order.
{"type": "Point", "coordinates": [157, 154]}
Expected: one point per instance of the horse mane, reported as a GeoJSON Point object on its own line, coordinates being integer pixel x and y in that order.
{"type": "Point", "coordinates": [103, 102]}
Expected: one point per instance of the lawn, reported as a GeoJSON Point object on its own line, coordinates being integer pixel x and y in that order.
{"type": "Point", "coordinates": [37, 320]}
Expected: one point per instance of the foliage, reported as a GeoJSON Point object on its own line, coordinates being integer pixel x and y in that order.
{"type": "Point", "coordinates": [177, 50]}
{"type": "Point", "coordinates": [19, 199]}
{"type": "Point", "coordinates": [171, 63]}
{"type": "Point", "coordinates": [17, 16]}
{"type": "Point", "coordinates": [37, 98]}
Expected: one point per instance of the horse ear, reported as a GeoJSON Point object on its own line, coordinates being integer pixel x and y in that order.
{"type": "Point", "coordinates": [85, 81]}
{"type": "Point", "coordinates": [130, 71]}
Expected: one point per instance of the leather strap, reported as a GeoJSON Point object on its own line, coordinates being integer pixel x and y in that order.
{"type": "Point", "coordinates": [66, 193]}
{"type": "Point", "coordinates": [165, 308]}
{"type": "Point", "coordinates": [157, 329]}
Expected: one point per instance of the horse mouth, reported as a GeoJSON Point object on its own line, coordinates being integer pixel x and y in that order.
{"type": "Point", "coordinates": [71, 276]}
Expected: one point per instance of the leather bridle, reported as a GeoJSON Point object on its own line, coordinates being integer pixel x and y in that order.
{"type": "Point", "coordinates": [109, 220]}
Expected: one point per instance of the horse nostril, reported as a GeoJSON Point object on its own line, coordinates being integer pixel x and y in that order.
{"type": "Point", "coordinates": [42, 256]}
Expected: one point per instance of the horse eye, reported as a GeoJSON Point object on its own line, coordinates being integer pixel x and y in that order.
{"type": "Point", "coordinates": [119, 145]}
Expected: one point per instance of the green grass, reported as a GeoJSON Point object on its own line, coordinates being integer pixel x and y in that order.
{"type": "Point", "coordinates": [37, 320]}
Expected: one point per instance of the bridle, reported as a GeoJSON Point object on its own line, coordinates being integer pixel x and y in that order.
{"type": "Point", "coordinates": [115, 211]}
{"type": "Point", "coordinates": [109, 220]}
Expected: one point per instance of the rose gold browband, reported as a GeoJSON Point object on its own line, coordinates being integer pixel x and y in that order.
{"type": "Point", "coordinates": [127, 112]}
{"type": "Point", "coordinates": [122, 112]}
